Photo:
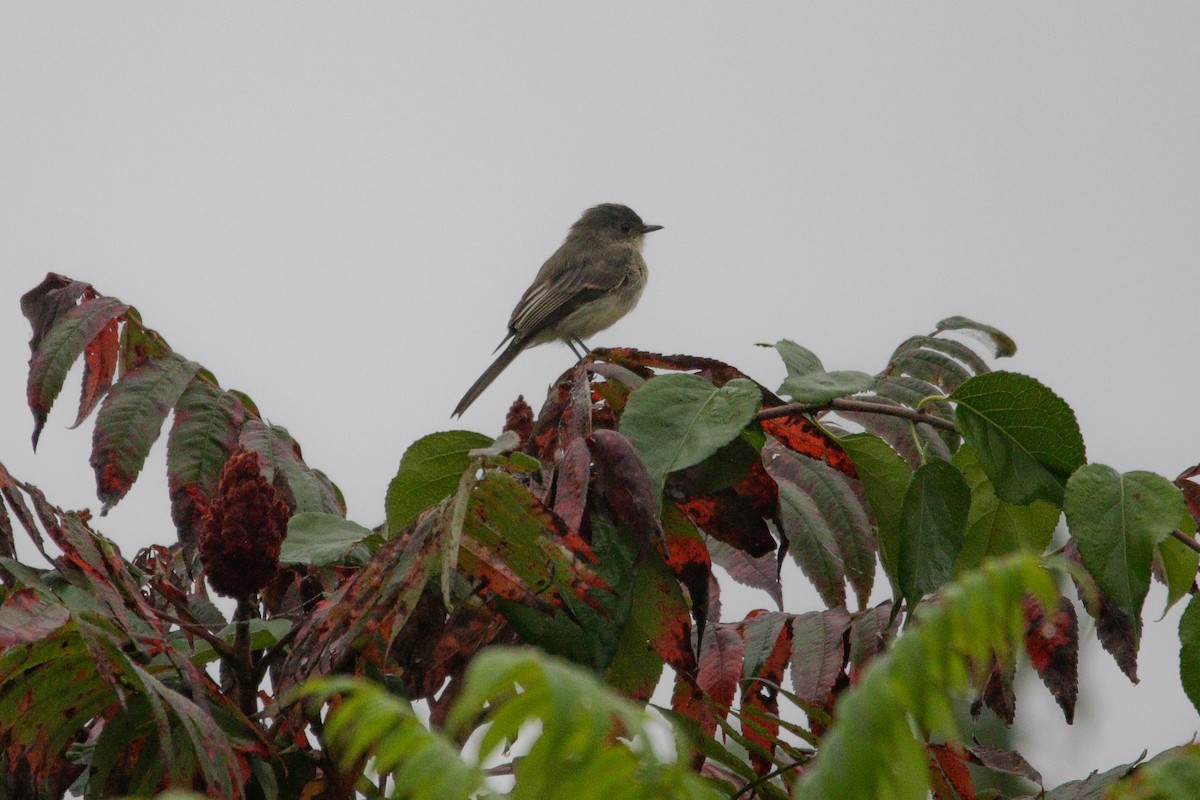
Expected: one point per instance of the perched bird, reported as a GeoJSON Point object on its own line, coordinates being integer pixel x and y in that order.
{"type": "Point", "coordinates": [591, 281]}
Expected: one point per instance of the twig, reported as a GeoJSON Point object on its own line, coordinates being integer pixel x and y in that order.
{"type": "Point", "coordinates": [850, 404]}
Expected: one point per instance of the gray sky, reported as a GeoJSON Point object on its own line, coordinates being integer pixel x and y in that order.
{"type": "Point", "coordinates": [335, 209]}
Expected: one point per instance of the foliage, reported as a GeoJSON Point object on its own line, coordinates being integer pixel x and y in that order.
{"type": "Point", "coordinates": [596, 530]}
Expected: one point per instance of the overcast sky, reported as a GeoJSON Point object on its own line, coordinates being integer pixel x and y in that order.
{"type": "Point", "coordinates": [335, 210]}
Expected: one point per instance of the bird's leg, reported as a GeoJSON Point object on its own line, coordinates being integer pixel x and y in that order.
{"type": "Point", "coordinates": [575, 340]}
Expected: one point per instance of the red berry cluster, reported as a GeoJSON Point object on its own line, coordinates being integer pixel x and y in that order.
{"type": "Point", "coordinates": [244, 527]}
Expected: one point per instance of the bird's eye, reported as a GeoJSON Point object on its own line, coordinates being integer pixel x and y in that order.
{"type": "Point", "coordinates": [627, 228]}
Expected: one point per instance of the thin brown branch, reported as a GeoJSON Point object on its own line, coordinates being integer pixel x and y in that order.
{"type": "Point", "coordinates": [852, 404]}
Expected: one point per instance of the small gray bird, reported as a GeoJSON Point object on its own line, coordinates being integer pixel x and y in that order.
{"type": "Point", "coordinates": [591, 281]}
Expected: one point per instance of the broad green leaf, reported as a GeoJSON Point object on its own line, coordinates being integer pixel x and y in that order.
{"type": "Point", "coordinates": [798, 360]}
{"type": "Point", "coordinates": [871, 750]}
{"type": "Point", "coordinates": [679, 420]}
{"type": "Point", "coordinates": [1025, 436]}
{"type": "Point", "coordinates": [1004, 346]}
{"type": "Point", "coordinates": [130, 420]}
{"type": "Point", "coordinates": [821, 387]}
{"type": "Point", "coordinates": [320, 539]}
{"type": "Point", "coordinates": [1171, 775]}
{"type": "Point", "coordinates": [1189, 651]}
{"type": "Point", "coordinates": [658, 607]}
{"type": "Point", "coordinates": [994, 527]}
{"type": "Point", "coordinates": [429, 472]}
{"type": "Point", "coordinates": [934, 520]}
{"type": "Point", "coordinates": [885, 478]}
{"type": "Point", "coordinates": [1117, 519]}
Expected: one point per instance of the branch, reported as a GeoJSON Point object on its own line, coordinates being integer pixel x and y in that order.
{"type": "Point", "coordinates": [851, 404]}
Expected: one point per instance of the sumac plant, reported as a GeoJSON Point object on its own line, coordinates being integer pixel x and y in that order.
{"type": "Point", "coordinates": [565, 573]}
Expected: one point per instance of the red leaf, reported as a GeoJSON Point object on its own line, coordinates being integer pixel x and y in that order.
{"type": "Point", "coordinates": [947, 761]}
{"type": "Point", "coordinates": [1053, 647]}
{"type": "Point", "coordinates": [729, 518]}
{"type": "Point", "coordinates": [799, 433]}
{"type": "Point", "coordinates": [768, 647]}
{"type": "Point", "coordinates": [571, 484]}
{"type": "Point", "coordinates": [99, 366]}
{"type": "Point", "coordinates": [689, 561]}
{"type": "Point", "coordinates": [998, 694]}
{"type": "Point", "coordinates": [1191, 490]}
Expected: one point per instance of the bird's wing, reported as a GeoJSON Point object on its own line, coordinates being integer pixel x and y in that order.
{"type": "Point", "coordinates": [554, 296]}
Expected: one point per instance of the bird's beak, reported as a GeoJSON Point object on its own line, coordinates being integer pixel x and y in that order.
{"type": "Point", "coordinates": [651, 228]}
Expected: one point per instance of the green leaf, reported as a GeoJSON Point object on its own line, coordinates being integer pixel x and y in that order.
{"type": "Point", "coordinates": [1179, 565]}
{"type": "Point", "coordinates": [798, 360]}
{"type": "Point", "coordinates": [994, 527]}
{"type": "Point", "coordinates": [871, 751]}
{"type": "Point", "coordinates": [679, 420]}
{"type": "Point", "coordinates": [1117, 520]}
{"type": "Point", "coordinates": [429, 472]}
{"type": "Point", "coordinates": [885, 478]}
{"type": "Point", "coordinates": [934, 520]}
{"type": "Point", "coordinates": [280, 462]}
{"type": "Point", "coordinates": [1189, 651]}
{"type": "Point", "coordinates": [821, 387]}
{"type": "Point", "coordinates": [1026, 436]}
{"type": "Point", "coordinates": [131, 419]}
{"type": "Point", "coordinates": [320, 539]}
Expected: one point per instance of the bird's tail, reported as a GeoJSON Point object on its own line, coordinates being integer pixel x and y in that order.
{"type": "Point", "coordinates": [490, 374]}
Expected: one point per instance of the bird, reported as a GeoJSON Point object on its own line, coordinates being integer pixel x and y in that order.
{"type": "Point", "coordinates": [592, 280]}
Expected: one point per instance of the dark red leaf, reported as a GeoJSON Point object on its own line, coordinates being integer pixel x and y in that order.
{"type": "Point", "coordinates": [49, 300]}
{"type": "Point", "coordinates": [1053, 647]}
{"type": "Point", "coordinates": [729, 518]}
{"type": "Point", "coordinates": [998, 693]}
{"type": "Point", "coordinates": [1191, 490]}
{"type": "Point", "coordinates": [623, 480]}
{"type": "Point", "coordinates": [571, 484]}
